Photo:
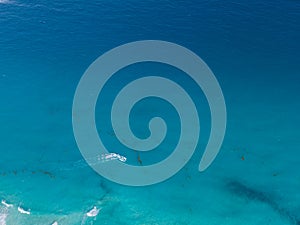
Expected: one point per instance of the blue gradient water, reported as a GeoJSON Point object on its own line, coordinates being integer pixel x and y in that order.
{"type": "Point", "coordinates": [252, 48]}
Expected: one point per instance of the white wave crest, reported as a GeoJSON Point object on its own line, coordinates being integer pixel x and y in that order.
{"type": "Point", "coordinates": [23, 211]}
{"type": "Point", "coordinates": [7, 205]}
{"type": "Point", "coordinates": [93, 212]}
{"type": "Point", "coordinates": [5, 1]}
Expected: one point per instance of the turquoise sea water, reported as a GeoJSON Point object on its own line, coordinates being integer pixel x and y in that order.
{"type": "Point", "coordinates": [252, 48]}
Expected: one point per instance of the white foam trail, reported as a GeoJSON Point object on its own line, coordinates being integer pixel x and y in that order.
{"type": "Point", "coordinates": [3, 202]}
{"type": "Point", "coordinates": [3, 216]}
{"type": "Point", "coordinates": [111, 156]}
{"type": "Point", "coordinates": [93, 212]}
{"type": "Point", "coordinates": [98, 159]}
{"type": "Point", "coordinates": [55, 223]}
{"type": "Point", "coordinates": [23, 211]}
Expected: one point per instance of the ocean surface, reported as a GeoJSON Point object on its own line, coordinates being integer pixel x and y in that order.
{"type": "Point", "coordinates": [251, 46]}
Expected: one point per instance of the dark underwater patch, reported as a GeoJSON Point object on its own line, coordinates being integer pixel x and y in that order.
{"type": "Point", "coordinates": [252, 194]}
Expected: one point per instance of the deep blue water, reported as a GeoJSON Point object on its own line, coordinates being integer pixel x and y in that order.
{"type": "Point", "coordinates": [252, 48]}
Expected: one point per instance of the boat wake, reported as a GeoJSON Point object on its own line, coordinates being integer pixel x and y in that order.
{"type": "Point", "coordinates": [3, 215]}
{"type": "Point", "coordinates": [99, 159]}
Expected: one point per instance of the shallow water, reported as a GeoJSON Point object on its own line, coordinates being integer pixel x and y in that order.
{"type": "Point", "coordinates": [254, 52]}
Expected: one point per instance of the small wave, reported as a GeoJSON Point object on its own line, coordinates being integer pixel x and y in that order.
{"type": "Point", "coordinates": [90, 214]}
{"type": "Point", "coordinates": [5, 2]}
{"type": "Point", "coordinates": [7, 205]}
{"type": "Point", "coordinates": [93, 212]}
{"type": "Point", "coordinates": [23, 211]}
